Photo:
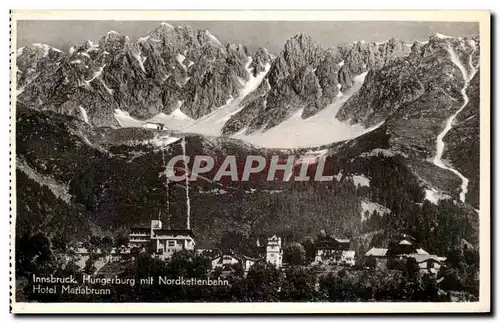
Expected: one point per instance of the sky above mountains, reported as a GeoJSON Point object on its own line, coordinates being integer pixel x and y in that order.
{"type": "Point", "coordinates": [270, 34]}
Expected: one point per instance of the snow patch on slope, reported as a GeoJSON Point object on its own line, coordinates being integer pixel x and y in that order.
{"type": "Point", "coordinates": [19, 51]}
{"type": "Point", "coordinates": [46, 48]}
{"type": "Point", "coordinates": [84, 54]}
{"type": "Point", "coordinates": [167, 25]}
{"type": "Point", "coordinates": [176, 120]}
{"type": "Point", "coordinates": [370, 207]}
{"type": "Point", "coordinates": [212, 123]}
{"type": "Point", "coordinates": [110, 91]}
{"type": "Point", "coordinates": [161, 141]}
{"type": "Point", "coordinates": [93, 47]}
{"type": "Point", "coordinates": [180, 58]}
{"type": "Point", "coordinates": [434, 196]}
{"type": "Point", "coordinates": [20, 90]}
{"type": "Point", "coordinates": [125, 120]}
{"type": "Point", "coordinates": [94, 76]}
{"type": "Point", "coordinates": [322, 128]}
{"type": "Point", "coordinates": [83, 112]}
{"type": "Point", "coordinates": [213, 38]}
{"type": "Point", "coordinates": [441, 36]}
{"type": "Point", "coordinates": [140, 60]}
{"type": "Point", "coordinates": [361, 180]}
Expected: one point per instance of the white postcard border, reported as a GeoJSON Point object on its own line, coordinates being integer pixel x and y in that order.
{"type": "Point", "coordinates": [480, 16]}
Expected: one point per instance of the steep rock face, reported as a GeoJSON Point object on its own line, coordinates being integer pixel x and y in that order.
{"type": "Point", "coordinates": [298, 51]}
{"type": "Point", "coordinates": [463, 142]}
{"type": "Point", "coordinates": [306, 76]}
{"type": "Point", "coordinates": [35, 60]}
{"type": "Point", "coordinates": [416, 94]}
{"type": "Point", "coordinates": [421, 99]}
{"type": "Point", "coordinates": [170, 67]}
{"type": "Point", "coordinates": [382, 94]}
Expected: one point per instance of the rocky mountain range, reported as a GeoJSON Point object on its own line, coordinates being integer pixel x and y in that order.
{"type": "Point", "coordinates": [398, 124]}
{"type": "Point", "coordinates": [154, 74]}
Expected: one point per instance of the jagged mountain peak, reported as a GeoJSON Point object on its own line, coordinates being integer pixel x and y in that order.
{"type": "Point", "coordinates": [113, 35]}
{"type": "Point", "coordinates": [299, 42]}
{"type": "Point", "coordinates": [166, 25]}
{"type": "Point", "coordinates": [185, 35]}
{"type": "Point", "coordinates": [211, 38]}
{"type": "Point", "coordinates": [299, 50]}
{"type": "Point", "coordinates": [437, 35]}
{"type": "Point", "coordinates": [302, 39]}
{"type": "Point", "coordinates": [238, 48]}
{"type": "Point", "coordinates": [37, 49]}
{"type": "Point", "coordinates": [145, 77]}
{"type": "Point", "coordinates": [262, 51]}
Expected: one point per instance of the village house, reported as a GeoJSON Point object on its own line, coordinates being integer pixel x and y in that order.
{"type": "Point", "coordinates": [248, 262]}
{"type": "Point", "coordinates": [428, 264]}
{"type": "Point", "coordinates": [224, 261]}
{"type": "Point", "coordinates": [334, 250]}
{"type": "Point", "coordinates": [273, 255]}
{"type": "Point", "coordinates": [206, 249]}
{"type": "Point", "coordinates": [227, 260]}
{"type": "Point", "coordinates": [404, 249]}
{"type": "Point", "coordinates": [165, 241]}
{"type": "Point", "coordinates": [377, 256]}
{"type": "Point", "coordinates": [348, 258]}
{"type": "Point", "coordinates": [377, 253]}
{"type": "Point", "coordinates": [154, 125]}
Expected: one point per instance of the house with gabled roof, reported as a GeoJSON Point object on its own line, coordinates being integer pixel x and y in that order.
{"type": "Point", "coordinates": [225, 260]}
{"type": "Point", "coordinates": [377, 253]}
{"type": "Point", "coordinates": [165, 241]}
{"type": "Point", "coordinates": [334, 250]}
{"type": "Point", "coordinates": [428, 264]}
{"type": "Point", "coordinates": [206, 249]}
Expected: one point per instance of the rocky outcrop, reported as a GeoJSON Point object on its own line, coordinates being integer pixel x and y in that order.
{"type": "Point", "coordinates": [167, 68]}
{"type": "Point", "coordinates": [414, 95]}
{"type": "Point", "coordinates": [35, 60]}
{"type": "Point", "coordinates": [307, 77]}
{"type": "Point", "coordinates": [463, 142]}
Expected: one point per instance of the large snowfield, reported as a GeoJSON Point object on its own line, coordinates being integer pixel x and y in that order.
{"type": "Point", "coordinates": [295, 132]}
{"type": "Point", "coordinates": [320, 129]}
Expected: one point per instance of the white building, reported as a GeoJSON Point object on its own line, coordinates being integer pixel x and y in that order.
{"type": "Point", "coordinates": [154, 125]}
{"type": "Point", "coordinates": [348, 258]}
{"type": "Point", "coordinates": [166, 241]}
{"type": "Point", "coordinates": [224, 260]}
{"type": "Point", "coordinates": [274, 251]}
{"type": "Point", "coordinates": [139, 236]}
{"type": "Point", "coordinates": [428, 264]}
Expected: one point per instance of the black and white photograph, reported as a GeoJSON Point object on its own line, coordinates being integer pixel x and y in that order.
{"type": "Point", "coordinates": [250, 161]}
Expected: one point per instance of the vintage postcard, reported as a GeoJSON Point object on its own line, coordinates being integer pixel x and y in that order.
{"type": "Point", "coordinates": [250, 161]}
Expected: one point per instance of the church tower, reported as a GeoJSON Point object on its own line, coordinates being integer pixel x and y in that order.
{"type": "Point", "coordinates": [274, 251]}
